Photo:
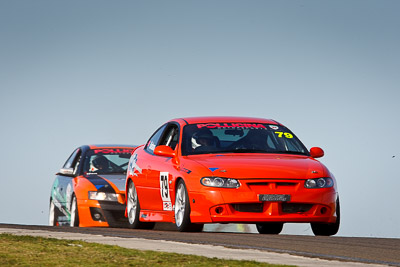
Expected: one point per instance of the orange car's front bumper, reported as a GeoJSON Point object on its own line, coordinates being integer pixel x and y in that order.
{"type": "Point", "coordinates": [93, 213]}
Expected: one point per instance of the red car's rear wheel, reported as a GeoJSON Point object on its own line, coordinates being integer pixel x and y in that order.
{"type": "Point", "coordinates": [269, 228]}
{"type": "Point", "coordinates": [133, 209]}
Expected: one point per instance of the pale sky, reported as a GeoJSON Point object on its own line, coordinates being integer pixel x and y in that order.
{"type": "Point", "coordinates": [83, 72]}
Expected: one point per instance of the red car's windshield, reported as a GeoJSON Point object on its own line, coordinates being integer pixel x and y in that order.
{"type": "Point", "coordinates": [215, 138]}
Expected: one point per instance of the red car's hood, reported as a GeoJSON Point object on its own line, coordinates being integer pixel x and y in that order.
{"type": "Point", "coordinates": [262, 166]}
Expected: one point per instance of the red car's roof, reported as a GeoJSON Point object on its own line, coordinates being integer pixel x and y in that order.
{"type": "Point", "coordinates": [192, 120]}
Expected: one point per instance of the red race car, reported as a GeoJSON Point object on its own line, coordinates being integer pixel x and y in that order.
{"type": "Point", "coordinates": [194, 171]}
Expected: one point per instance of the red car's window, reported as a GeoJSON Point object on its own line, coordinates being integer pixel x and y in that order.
{"type": "Point", "coordinates": [155, 139]}
{"type": "Point", "coordinates": [210, 138]}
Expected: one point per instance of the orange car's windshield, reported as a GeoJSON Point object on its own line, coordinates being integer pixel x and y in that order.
{"type": "Point", "coordinates": [216, 138]}
{"type": "Point", "coordinates": [107, 161]}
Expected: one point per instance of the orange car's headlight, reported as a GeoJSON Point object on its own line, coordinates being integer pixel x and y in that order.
{"type": "Point", "coordinates": [220, 182]}
{"type": "Point", "coordinates": [103, 196]}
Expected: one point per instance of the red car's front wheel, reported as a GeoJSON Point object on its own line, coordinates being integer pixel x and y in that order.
{"type": "Point", "coordinates": [328, 229]}
{"type": "Point", "coordinates": [182, 210]}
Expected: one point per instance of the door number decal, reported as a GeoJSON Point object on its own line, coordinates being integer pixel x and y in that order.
{"type": "Point", "coordinates": [164, 191]}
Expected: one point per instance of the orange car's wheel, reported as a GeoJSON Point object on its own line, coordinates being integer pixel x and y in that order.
{"type": "Point", "coordinates": [269, 228]}
{"type": "Point", "coordinates": [133, 208]}
{"type": "Point", "coordinates": [328, 229]}
{"type": "Point", "coordinates": [52, 214]}
{"type": "Point", "coordinates": [74, 222]}
{"type": "Point", "coordinates": [182, 210]}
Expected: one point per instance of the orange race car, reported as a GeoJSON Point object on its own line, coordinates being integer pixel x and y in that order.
{"type": "Point", "coordinates": [89, 190]}
{"type": "Point", "coordinates": [194, 171]}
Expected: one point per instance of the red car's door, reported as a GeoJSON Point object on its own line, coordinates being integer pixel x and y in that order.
{"type": "Point", "coordinates": [156, 194]}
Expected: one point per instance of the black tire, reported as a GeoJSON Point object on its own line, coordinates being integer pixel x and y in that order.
{"type": "Point", "coordinates": [327, 229]}
{"type": "Point", "coordinates": [273, 228]}
{"type": "Point", "coordinates": [74, 220]}
{"type": "Point", "coordinates": [182, 210]}
{"type": "Point", "coordinates": [133, 210]}
{"type": "Point", "coordinates": [52, 214]}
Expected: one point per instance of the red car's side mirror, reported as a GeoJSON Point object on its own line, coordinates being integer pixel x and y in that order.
{"type": "Point", "coordinates": [164, 151]}
{"type": "Point", "coordinates": [316, 152]}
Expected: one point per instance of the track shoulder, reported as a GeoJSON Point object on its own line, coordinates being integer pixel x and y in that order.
{"type": "Point", "coordinates": [383, 251]}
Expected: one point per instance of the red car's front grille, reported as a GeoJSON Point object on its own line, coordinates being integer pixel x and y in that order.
{"type": "Point", "coordinates": [252, 207]}
{"type": "Point", "coordinates": [295, 207]}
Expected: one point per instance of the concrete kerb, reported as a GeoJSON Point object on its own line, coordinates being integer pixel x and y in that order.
{"type": "Point", "coordinates": [189, 249]}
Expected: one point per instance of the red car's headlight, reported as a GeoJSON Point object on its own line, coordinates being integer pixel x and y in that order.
{"type": "Point", "coordinates": [324, 182]}
{"type": "Point", "coordinates": [220, 182]}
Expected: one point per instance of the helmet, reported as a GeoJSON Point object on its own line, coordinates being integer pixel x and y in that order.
{"type": "Point", "coordinates": [100, 162]}
{"type": "Point", "coordinates": [201, 136]}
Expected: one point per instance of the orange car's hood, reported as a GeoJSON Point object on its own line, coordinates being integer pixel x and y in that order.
{"type": "Point", "coordinates": [261, 166]}
{"type": "Point", "coordinates": [115, 180]}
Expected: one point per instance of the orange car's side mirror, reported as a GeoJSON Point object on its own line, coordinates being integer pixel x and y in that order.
{"type": "Point", "coordinates": [66, 172]}
{"type": "Point", "coordinates": [164, 151]}
{"type": "Point", "coordinates": [316, 152]}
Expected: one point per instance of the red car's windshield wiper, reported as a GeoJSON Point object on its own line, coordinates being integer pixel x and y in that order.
{"type": "Point", "coordinates": [247, 150]}
{"type": "Point", "coordinates": [289, 152]}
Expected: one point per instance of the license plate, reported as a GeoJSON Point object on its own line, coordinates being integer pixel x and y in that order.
{"type": "Point", "coordinates": [273, 197]}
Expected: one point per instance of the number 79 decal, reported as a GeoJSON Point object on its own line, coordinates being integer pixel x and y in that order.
{"type": "Point", "coordinates": [282, 134]}
{"type": "Point", "coordinates": [164, 191]}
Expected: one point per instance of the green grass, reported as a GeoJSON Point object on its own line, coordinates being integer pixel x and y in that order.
{"type": "Point", "coordinates": [38, 251]}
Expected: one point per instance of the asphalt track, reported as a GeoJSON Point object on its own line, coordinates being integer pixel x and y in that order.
{"type": "Point", "coordinates": [384, 251]}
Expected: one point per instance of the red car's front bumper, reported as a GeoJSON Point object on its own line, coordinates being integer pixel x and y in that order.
{"type": "Point", "coordinates": [242, 205]}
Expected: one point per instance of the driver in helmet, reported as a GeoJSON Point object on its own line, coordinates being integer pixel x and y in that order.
{"type": "Point", "coordinates": [204, 140]}
{"type": "Point", "coordinates": [102, 164]}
